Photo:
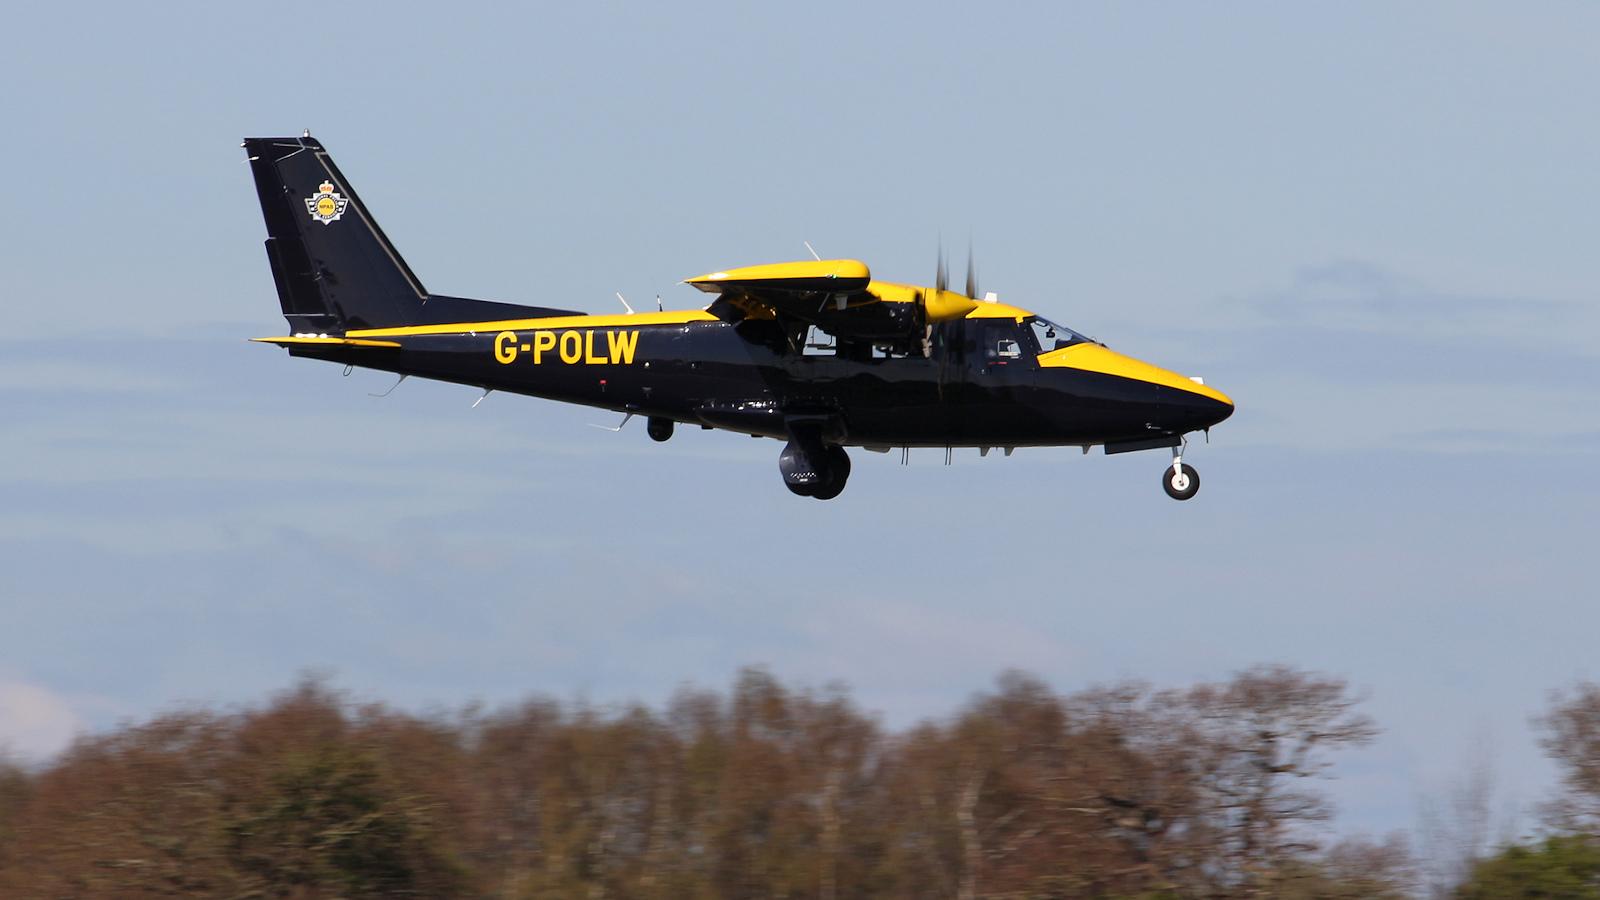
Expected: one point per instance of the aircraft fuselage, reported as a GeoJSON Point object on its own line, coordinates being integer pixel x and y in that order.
{"type": "Point", "coordinates": [746, 377]}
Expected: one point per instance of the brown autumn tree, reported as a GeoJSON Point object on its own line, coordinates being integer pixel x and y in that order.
{"type": "Point", "coordinates": [763, 791]}
{"type": "Point", "coordinates": [15, 788]}
{"type": "Point", "coordinates": [1570, 735]}
{"type": "Point", "coordinates": [296, 800]}
{"type": "Point", "coordinates": [1122, 791]}
{"type": "Point", "coordinates": [1261, 739]}
{"type": "Point", "coordinates": [1352, 869]}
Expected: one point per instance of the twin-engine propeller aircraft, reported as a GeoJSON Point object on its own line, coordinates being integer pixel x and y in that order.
{"type": "Point", "coordinates": [817, 354]}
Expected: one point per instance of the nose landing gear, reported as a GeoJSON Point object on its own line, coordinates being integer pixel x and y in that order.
{"type": "Point", "coordinates": [1180, 479]}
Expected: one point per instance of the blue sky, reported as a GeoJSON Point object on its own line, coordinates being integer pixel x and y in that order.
{"type": "Point", "coordinates": [1372, 225]}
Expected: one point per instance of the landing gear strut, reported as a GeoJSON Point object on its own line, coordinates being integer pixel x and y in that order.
{"type": "Point", "coordinates": [812, 468]}
{"type": "Point", "coordinates": [1180, 479]}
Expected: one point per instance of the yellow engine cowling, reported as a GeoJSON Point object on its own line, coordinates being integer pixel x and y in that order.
{"type": "Point", "coordinates": [945, 306]}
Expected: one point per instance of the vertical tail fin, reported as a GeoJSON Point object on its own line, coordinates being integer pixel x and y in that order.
{"type": "Point", "coordinates": [334, 268]}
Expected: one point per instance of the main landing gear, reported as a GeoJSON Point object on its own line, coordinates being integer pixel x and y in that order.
{"type": "Point", "coordinates": [812, 468]}
{"type": "Point", "coordinates": [658, 428]}
{"type": "Point", "coordinates": [1180, 479]}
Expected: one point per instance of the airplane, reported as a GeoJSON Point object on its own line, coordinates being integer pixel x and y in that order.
{"type": "Point", "coordinates": [816, 353]}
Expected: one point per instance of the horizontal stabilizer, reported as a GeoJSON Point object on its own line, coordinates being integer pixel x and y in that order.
{"type": "Point", "coordinates": [317, 339]}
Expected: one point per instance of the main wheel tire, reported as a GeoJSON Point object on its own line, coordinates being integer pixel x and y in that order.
{"type": "Point", "coordinates": [838, 474]}
{"type": "Point", "coordinates": [1181, 485]}
{"type": "Point", "coordinates": [804, 473]}
{"type": "Point", "coordinates": [659, 429]}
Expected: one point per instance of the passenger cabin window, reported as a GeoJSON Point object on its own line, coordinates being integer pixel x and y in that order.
{"type": "Point", "coordinates": [819, 343]}
{"type": "Point", "coordinates": [1000, 341]}
{"type": "Point", "coordinates": [1051, 336]}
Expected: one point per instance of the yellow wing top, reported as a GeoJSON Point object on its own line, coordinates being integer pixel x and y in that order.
{"type": "Point", "coordinates": [808, 288]}
{"type": "Point", "coordinates": [832, 275]}
{"type": "Point", "coordinates": [799, 289]}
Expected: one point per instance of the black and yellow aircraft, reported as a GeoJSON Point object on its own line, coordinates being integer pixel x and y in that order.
{"type": "Point", "coordinates": [817, 354]}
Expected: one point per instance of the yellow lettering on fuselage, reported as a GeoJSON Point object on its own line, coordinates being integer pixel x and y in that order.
{"type": "Point", "coordinates": [576, 343]}
{"type": "Point", "coordinates": [622, 344]}
{"type": "Point", "coordinates": [543, 341]}
{"type": "Point", "coordinates": [505, 347]}
{"type": "Point", "coordinates": [570, 346]}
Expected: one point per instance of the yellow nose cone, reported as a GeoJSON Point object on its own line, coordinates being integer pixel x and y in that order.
{"type": "Point", "coordinates": [1095, 358]}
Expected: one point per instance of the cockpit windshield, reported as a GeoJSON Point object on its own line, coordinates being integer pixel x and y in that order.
{"type": "Point", "coordinates": [1052, 336]}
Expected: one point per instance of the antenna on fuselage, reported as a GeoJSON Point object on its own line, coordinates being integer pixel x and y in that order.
{"type": "Point", "coordinates": [610, 428]}
{"type": "Point", "coordinates": [391, 388]}
{"type": "Point", "coordinates": [812, 251]}
{"type": "Point", "coordinates": [625, 303]}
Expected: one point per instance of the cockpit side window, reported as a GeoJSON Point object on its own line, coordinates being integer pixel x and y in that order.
{"type": "Point", "coordinates": [1051, 336]}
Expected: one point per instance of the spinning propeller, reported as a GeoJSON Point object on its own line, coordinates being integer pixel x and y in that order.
{"type": "Point", "coordinates": [940, 304]}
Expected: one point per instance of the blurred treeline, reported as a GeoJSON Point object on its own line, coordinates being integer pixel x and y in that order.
{"type": "Point", "coordinates": [765, 791]}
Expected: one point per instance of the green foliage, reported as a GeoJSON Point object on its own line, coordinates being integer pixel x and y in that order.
{"type": "Point", "coordinates": [326, 819]}
{"type": "Point", "coordinates": [1561, 868]}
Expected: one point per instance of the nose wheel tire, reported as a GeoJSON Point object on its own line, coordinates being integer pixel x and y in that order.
{"type": "Point", "coordinates": [658, 428]}
{"type": "Point", "coordinates": [1182, 482]}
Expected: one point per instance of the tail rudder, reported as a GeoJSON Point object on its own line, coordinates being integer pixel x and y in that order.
{"type": "Point", "coordinates": [335, 270]}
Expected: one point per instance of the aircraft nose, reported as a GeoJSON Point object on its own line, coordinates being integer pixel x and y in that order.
{"type": "Point", "coordinates": [1189, 404]}
{"type": "Point", "coordinates": [1199, 410]}
{"type": "Point", "coordinates": [1174, 402]}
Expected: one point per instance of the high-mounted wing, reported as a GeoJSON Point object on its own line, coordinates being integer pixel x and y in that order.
{"type": "Point", "coordinates": [799, 289]}
{"type": "Point", "coordinates": [837, 295]}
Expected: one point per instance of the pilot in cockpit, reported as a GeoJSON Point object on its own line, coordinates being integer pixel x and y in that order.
{"type": "Point", "coordinates": [1052, 336]}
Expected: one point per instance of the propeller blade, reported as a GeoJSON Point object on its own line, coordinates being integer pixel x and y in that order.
{"type": "Point", "coordinates": [940, 304]}
{"type": "Point", "coordinates": [972, 274]}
